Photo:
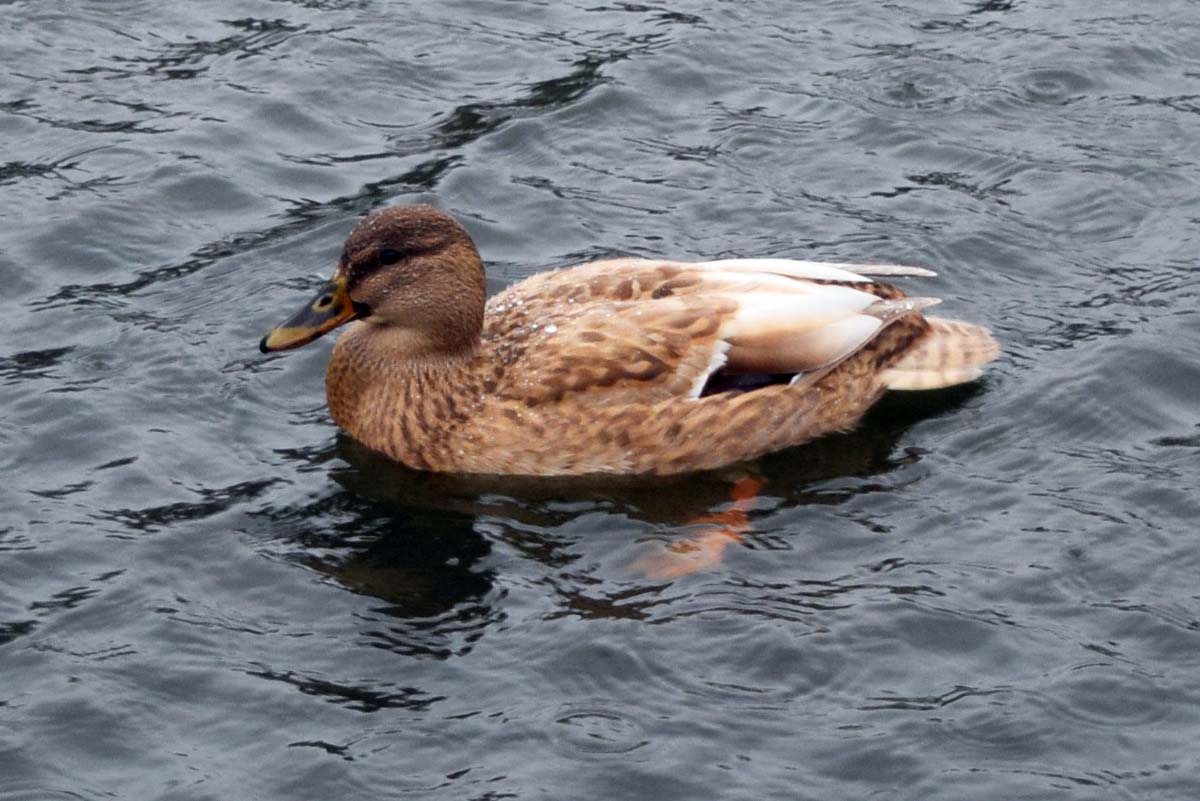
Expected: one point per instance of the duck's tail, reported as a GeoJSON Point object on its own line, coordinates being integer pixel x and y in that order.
{"type": "Point", "coordinates": [952, 352]}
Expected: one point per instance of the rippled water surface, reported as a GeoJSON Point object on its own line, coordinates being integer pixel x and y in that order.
{"type": "Point", "coordinates": [206, 592]}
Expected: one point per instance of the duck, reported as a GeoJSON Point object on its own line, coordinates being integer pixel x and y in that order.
{"type": "Point", "coordinates": [622, 366]}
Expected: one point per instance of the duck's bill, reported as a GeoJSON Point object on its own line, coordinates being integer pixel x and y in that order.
{"type": "Point", "coordinates": [329, 309]}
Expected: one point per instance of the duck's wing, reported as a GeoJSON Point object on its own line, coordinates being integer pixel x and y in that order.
{"type": "Point", "coordinates": [647, 331]}
{"type": "Point", "coordinates": [624, 351]}
{"type": "Point", "coordinates": [647, 279]}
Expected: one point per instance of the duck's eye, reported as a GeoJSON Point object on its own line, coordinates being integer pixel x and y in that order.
{"type": "Point", "coordinates": [389, 256]}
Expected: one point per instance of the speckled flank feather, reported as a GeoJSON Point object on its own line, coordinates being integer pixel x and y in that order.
{"type": "Point", "coordinates": [620, 366]}
{"type": "Point", "coordinates": [952, 353]}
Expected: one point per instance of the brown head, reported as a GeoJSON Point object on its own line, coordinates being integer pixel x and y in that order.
{"type": "Point", "coordinates": [411, 269]}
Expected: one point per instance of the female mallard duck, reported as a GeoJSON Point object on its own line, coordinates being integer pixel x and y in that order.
{"type": "Point", "coordinates": [619, 366]}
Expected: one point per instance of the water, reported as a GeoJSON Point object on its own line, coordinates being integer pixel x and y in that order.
{"type": "Point", "coordinates": [207, 593]}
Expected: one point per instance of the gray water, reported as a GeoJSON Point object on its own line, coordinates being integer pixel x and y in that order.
{"type": "Point", "coordinates": [207, 593]}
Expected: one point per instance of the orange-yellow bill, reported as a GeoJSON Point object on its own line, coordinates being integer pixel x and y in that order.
{"type": "Point", "coordinates": [329, 309]}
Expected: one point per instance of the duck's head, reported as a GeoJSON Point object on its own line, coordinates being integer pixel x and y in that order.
{"type": "Point", "coordinates": [411, 269]}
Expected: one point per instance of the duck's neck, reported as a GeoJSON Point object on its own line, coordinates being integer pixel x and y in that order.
{"type": "Point", "coordinates": [397, 392]}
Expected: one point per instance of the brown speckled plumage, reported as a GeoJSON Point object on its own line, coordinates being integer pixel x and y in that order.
{"type": "Point", "coordinates": [603, 368]}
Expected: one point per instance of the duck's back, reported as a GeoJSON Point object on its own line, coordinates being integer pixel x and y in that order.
{"type": "Point", "coordinates": [638, 366]}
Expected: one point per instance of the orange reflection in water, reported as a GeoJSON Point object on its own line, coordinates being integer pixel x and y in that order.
{"type": "Point", "coordinates": [703, 550]}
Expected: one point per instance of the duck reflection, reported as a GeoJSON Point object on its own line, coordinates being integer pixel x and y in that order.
{"type": "Point", "coordinates": [419, 539]}
{"type": "Point", "coordinates": [422, 562]}
{"type": "Point", "coordinates": [429, 546]}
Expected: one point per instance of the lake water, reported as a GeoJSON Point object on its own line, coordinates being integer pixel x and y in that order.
{"type": "Point", "coordinates": [206, 592]}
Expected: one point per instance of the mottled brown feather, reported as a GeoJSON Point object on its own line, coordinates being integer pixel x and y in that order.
{"type": "Point", "coordinates": [596, 368]}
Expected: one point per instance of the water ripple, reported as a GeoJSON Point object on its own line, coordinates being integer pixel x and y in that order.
{"type": "Point", "coordinates": [353, 696]}
{"type": "Point", "coordinates": [597, 728]}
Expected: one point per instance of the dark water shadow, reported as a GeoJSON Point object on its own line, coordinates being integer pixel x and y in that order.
{"type": "Point", "coordinates": [419, 542]}
{"type": "Point", "coordinates": [792, 474]}
{"type": "Point", "coordinates": [422, 564]}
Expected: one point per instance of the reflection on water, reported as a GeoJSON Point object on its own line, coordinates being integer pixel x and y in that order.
{"type": "Point", "coordinates": [418, 541]}
{"type": "Point", "coordinates": [789, 476]}
{"type": "Point", "coordinates": [423, 546]}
